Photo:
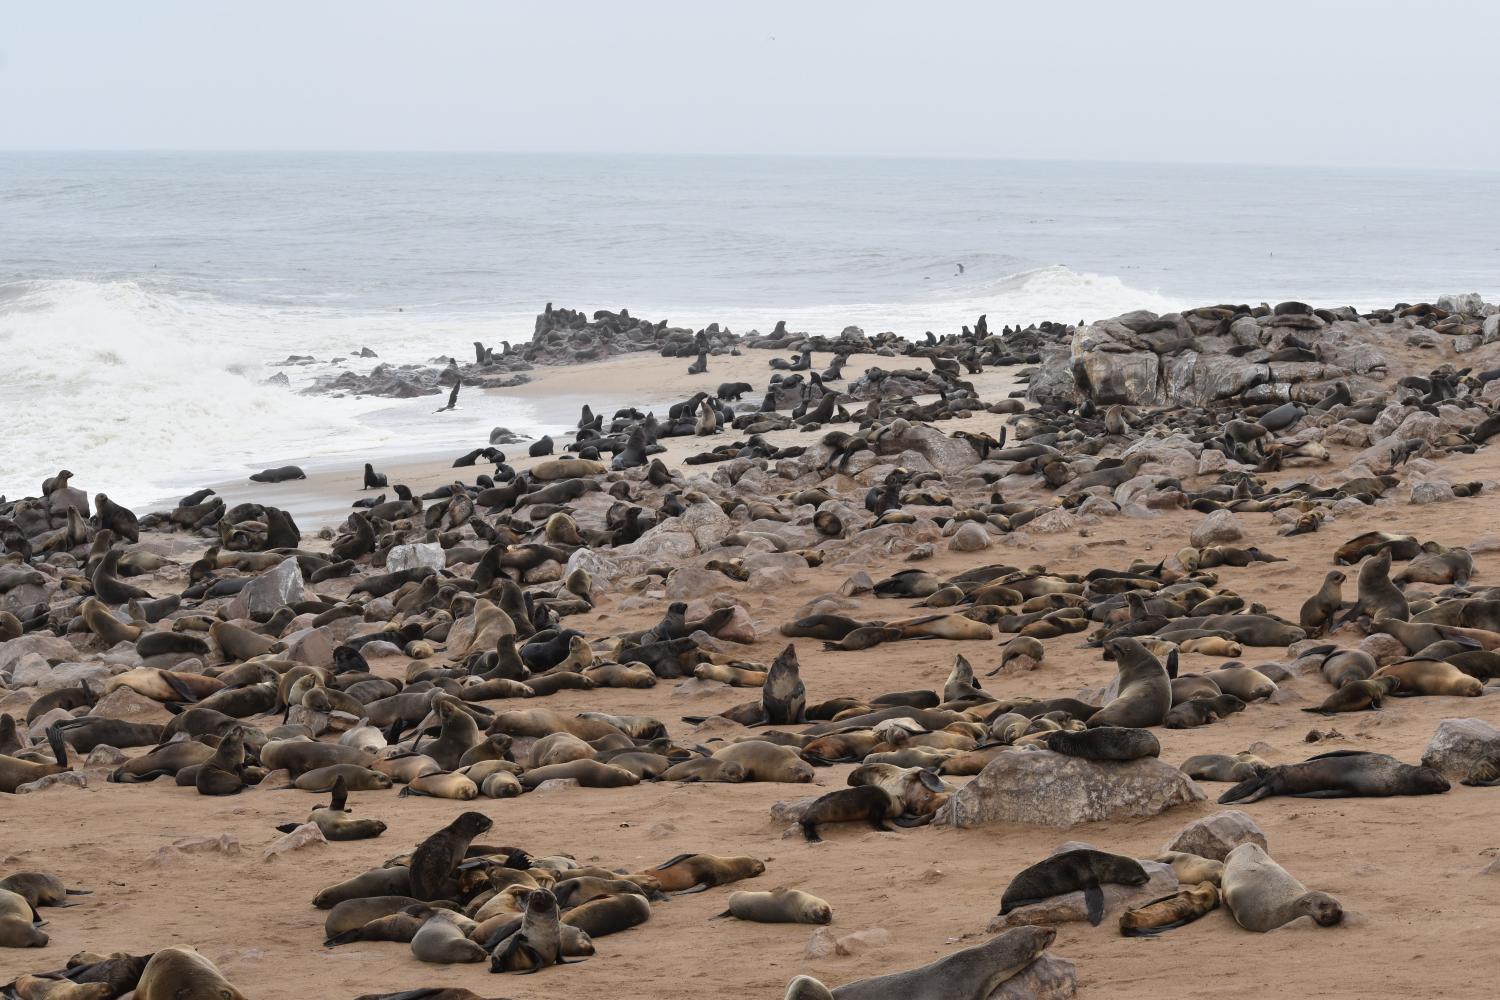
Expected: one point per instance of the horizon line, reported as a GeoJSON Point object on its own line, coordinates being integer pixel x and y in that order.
{"type": "Point", "coordinates": [636, 154]}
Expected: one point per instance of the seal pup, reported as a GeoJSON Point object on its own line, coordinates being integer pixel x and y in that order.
{"type": "Point", "coordinates": [971, 974]}
{"type": "Point", "coordinates": [436, 857]}
{"type": "Point", "coordinates": [441, 940]}
{"type": "Point", "coordinates": [1339, 774]}
{"type": "Point", "coordinates": [1103, 743]}
{"type": "Point", "coordinates": [1358, 696]}
{"type": "Point", "coordinates": [1177, 910]}
{"type": "Point", "coordinates": [1262, 896]}
{"type": "Point", "coordinates": [374, 480]}
{"type": "Point", "coordinates": [779, 906]}
{"type": "Point", "coordinates": [15, 772]}
{"type": "Point", "coordinates": [688, 873]}
{"type": "Point", "coordinates": [869, 803]}
{"type": "Point", "coordinates": [1071, 871]}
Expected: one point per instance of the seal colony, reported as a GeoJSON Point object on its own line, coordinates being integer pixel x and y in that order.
{"type": "Point", "coordinates": [743, 654]}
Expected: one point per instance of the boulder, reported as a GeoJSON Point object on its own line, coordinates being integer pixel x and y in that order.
{"type": "Point", "coordinates": [1436, 491]}
{"type": "Point", "coordinates": [970, 537]}
{"type": "Point", "coordinates": [1384, 648]}
{"type": "Point", "coordinates": [688, 582]}
{"type": "Point", "coordinates": [1047, 978]}
{"type": "Point", "coordinates": [1219, 528]}
{"type": "Point", "coordinates": [707, 524]}
{"type": "Point", "coordinates": [311, 646]}
{"type": "Point", "coordinates": [1462, 749]}
{"type": "Point", "coordinates": [130, 706]}
{"type": "Point", "coordinates": [1049, 789]}
{"type": "Point", "coordinates": [48, 647]}
{"type": "Point", "coordinates": [1053, 522]}
{"type": "Point", "coordinates": [1070, 906]}
{"type": "Point", "coordinates": [269, 592]}
{"type": "Point", "coordinates": [1213, 837]}
{"type": "Point", "coordinates": [417, 554]}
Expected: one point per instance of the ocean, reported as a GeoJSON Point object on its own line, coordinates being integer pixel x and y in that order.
{"type": "Point", "coordinates": [144, 298]}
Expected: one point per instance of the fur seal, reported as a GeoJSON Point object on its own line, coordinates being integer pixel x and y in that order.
{"type": "Point", "coordinates": [783, 695]}
{"type": "Point", "coordinates": [1191, 869]}
{"type": "Point", "coordinates": [1145, 695]}
{"type": "Point", "coordinates": [1176, 910]}
{"type": "Point", "coordinates": [1378, 596]}
{"type": "Point", "coordinates": [537, 943]}
{"type": "Point", "coordinates": [1071, 871]}
{"type": "Point", "coordinates": [434, 860]}
{"type": "Point", "coordinates": [971, 974]}
{"type": "Point", "coordinates": [779, 906]}
{"type": "Point", "coordinates": [180, 974]}
{"type": "Point", "coordinates": [1103, 743]}
{"type": "Point", "coordinates": [1340, 774]}
{"type": "Point", "coordinates": [442, 940]}
{"type": "Point", "coordinates": [1358, 696]}
{"type": "Point", "coordinates": [15, 772]}
{"type": "Point", "coordinates": [697, 872]}
{"type": "Point", "coordinates": [17, 929]}
{"type": "Point", "coordinates": [609, 914]}
{"type": "Point", "coordinates": [281, 474]}
{"type": "Point", "coordinates": [224, 772]}
{"type": "Point", "coordinates": [869, 803]}
{"type": "Point", "coordinates": [1431, 677]}
{"type": "Point", "coordinates": [1262, 896]}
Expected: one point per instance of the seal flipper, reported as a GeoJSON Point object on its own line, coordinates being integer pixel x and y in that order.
{"type": "Point", "coordinates": [810, 833]}
{"type": "Point", "coordinates": [340, 795]}
{"type": "Point", "coordinates": [1172, 664]}
{"type": "Point", "coordinates": [1252, 789]}
{"type": "Point", "coordinates": [182, 690]}
{"type": "Point", "coordinates": [1093, 899]}
{"type": "Point", "coordinates": [59, 748]}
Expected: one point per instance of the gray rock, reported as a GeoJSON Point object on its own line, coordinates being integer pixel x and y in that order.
{"type": "Point", "coordinates": [1054, 522]}
{"type": "Point", "coordinates": [858, 583]}
{"type": "Point", "coordinates": [1048, 978]}
{"type": "Point", "coordinates": [1384, 648]}
{"type": "Point", "coordinates": [311, 646]}
{"type": "Point", "coordinates": [131, 706]}
{"type": "Point", "coordinates": [269, 592]}
{"type": "Point", "coordinates": [1468, 303]}
{"type": "Point", "coordinates": [415, 555]}
{"type": "Point", "coordinates": [970, 537]}
{"type": "Point", "coordinates": [1049, 789]}
{"type": "Point", "coordinates": [1213, 837]}
{"type": "Point", "coordinates": [1463, 748]}
{"type": "Point", "coordinates": [688, 582]}
{"type": "Point", "coordinates": [1070, 906]}
{"type": "Point", "coordinates": [706, 523]}
{"type": "Point", "coordinates": [1220, 527]}
{"type": "Point", "coordinates": [1435, 491]}
{"type": "Point", "coordinates": [48, 647]}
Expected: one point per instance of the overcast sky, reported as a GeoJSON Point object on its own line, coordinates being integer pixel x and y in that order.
{"type": "Point", "coordinates": [1308, 82]}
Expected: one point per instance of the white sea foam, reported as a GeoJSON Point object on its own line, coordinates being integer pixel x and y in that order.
{"type": "Point", "coordinates": [143, 391]}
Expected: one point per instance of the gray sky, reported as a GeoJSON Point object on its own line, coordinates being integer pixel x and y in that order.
{"type": "Point", "coordinates": [1308, 82]}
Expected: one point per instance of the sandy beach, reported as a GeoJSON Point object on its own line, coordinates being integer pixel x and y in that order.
{"type": "Point", "coordinates": [1407, 870]}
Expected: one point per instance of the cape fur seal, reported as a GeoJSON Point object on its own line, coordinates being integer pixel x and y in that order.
{"type": "Point", "coordinates": [1340, 774]}
{"type": "Point", "coordinates": [1071, 871]}
{"type": "Point", "coordinates": [972, 974]}
{"type": "Point", "coordinates": [1167, 912]}
{"type": "Point", "coordinates": [1262, 896]}
{"type": "Point", "coordinates": [177, 973]}
{"type": "Point", "coordinates": [1145, 695]}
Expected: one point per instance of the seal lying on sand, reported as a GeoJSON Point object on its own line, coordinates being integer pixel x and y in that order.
{"type": "Point", "coordinates": [1340, 774]}
{"type": "Point", "coordinates": [971, 974]}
